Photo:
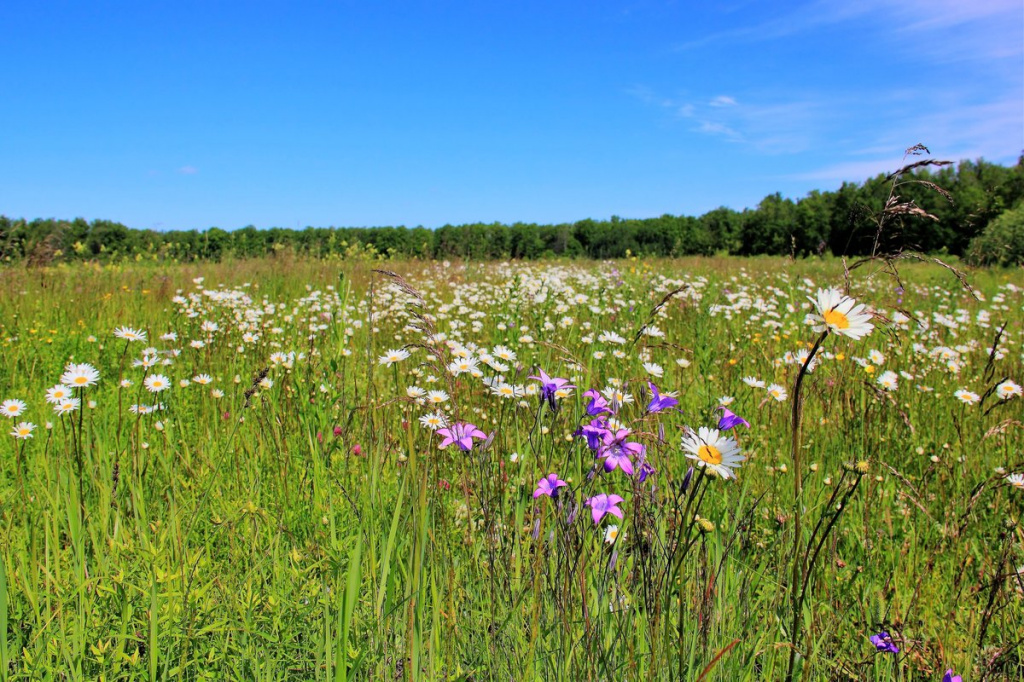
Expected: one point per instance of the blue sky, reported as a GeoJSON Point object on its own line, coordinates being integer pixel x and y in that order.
{"type": "Point", "coordinates": [180, 115]}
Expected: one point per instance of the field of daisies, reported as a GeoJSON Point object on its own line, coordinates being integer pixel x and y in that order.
{"type": "Point", "coordinates": [714, 469]}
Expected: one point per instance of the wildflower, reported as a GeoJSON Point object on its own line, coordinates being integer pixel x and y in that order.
{"type": "Point", "coordinates": [12, 408]}
{"type": "Point", "coordinates": [23, 430]}
{"type": "Point", "coordinates": [611, 534]}
{"type": "Point", "coordinates": [876, 357]}
{"type": "Point", "coordinates": [202, 379]}
{"type": "Point", "coordinates": [966, 397]}
{"type": "Point", "coordinates": [462, 434]}
{"type": "Point", "coordinates": [67, 406]}
{"type": "Point", "coordinates": [888, 380]}
{"type": "Point", "coordinates": [655, 370]}
{"type": "Point", "coordinates": [753, 382]}
{"type": "Point", "coordinates": [730, 420]}
{"type": "Point", "coordinates": [597, 403]}
{"type": "Point", "coordinates": [80, 376]}
{"type": "Point", "coordinates": [883, 642]}
{"type": "Point", "coordinates": [433, 421]}
{"type": "Point", "coordinates": [604, 504]}
{"type": "Point", "coordinates": [393, 356]}
{"type": "Point", "coordinates": [549, 486]}
{"type": "Point", "coordinates": [777, 392]}
{"type": "Point", "coordinates": [950, 677]}
{"type": "Point", "coordinates": [660, 402]}
{"type": "Point", "coordinates": [156, 383]}
{"type": "Point", "coordinates": [217, 393]}
{"type": "Point", "coordinates": [57, 394]}
{"type": "Point", "coordinates": [549, 387]}
{"type": "Point", "coordinates": [437, 397]}
{"type": "Point", "coordinates": [721, 454]}
{"type": "Point", "coordinates": [616, 451]}
{"type": "Point", "coordinates": [1016, 480]}
{"type": "Point", "coordinates": [129, 334]}
{"type": "Point", "coordinates": [840, 314]}
{"type": "Point", "coordinates": [1008, 389]}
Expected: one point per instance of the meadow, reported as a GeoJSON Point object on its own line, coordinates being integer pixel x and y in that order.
{"type": "Point", "coordinates": [697, 469]}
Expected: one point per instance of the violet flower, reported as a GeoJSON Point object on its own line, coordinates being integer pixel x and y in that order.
{"type": "Point", "coordinates": [597, 403]}
{"type": "Point", "coordinates": [594, 433]}
{"type": "Point", "coordinates": [660, 402]}
{"type": "Point", "coordinates": [616, 451]}
{"type": "Point", "coordinates": [604, 504]}
{"type": "Point", "coordinates": [883, 642]}
{"type": "Point", "coordinates": [549, 386]}
{"type": "Point", "coordinates": [549, 486]}
{"type": "Point", "coordinates": [730, 420]}
{"type": "Point", "coordinates": [950, 677]}
{"type": "Point", "coordinates": [462, 434]}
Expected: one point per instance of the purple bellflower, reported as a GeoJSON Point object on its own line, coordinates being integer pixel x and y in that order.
{"type": "Point", "coordinates": [883, 642]}
{"type": "Point", "coordinates": [660, 402]}
{"type": "Point", "coordinates": [950, 677]}
{"type": "Point", "coordinates": [616, 451]}
{"type": "Point", "coordinates": [549, 486]}
{"type": "Point", "coordinates": [549, 386]}
{"type": "Point", "coordinates": [604, 504]}
{"type": "Point", "coordinates": [729, 419]}
{"type": "Point", "coordinates": [462, 434]}
{"type": "Point", "coordinates": [594, 433]}
{"type": "Point", "coordinates": [597, 403]}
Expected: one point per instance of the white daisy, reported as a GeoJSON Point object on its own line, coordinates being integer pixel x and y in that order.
{"type": "Point", "coordinates": [156, 383]}
{"type": "Point", "coordinates": [1008, 389]}
{"type": "Point", "coordinates": [840, 314]}
{"type": "Point", "coordinates": [129, 334]}
{"type": "Point", "coordinates": [12, 408]}
{"type": "Point", "coordinates": [393, 356]}
{"type": "Point", "coordinates": [23, 430]}
{"type": "Point", "coordinates": [888, 380]}
{"type": "Point", "coordinates": [80, 376]}
{"type": "Point", "coordinates": [721, 454]}
{"type": "Point", "coordinates": [966, 397]}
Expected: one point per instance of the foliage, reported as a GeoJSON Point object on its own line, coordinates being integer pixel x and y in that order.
{"type": "Point", "coordinates": [839, 221]}
{"type": "Point", "coordinates": [282, 512]}
{"type": "Point", "coordinates": [1002, 240]}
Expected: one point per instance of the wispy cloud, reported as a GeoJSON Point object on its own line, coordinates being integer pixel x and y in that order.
{"type": "Point", "coordinates": [722, 101]}
{"type": "Point", "coordinates": [188, 170]}
{"type": "Point", "coordinates": [968, 31]}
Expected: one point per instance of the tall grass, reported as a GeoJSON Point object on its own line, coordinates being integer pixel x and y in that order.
{"type": "Point", "coordinates": [305, 525]}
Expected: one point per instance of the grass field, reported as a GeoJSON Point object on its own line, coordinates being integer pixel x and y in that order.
{"type": "Point", "coordinates": [252, 485]}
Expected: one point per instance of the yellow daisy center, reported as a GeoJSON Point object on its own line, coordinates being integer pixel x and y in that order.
{"type": "Point", "coordinates": [80, 380]}
{"type": "Point", "coordinates": [836, 319]}
{"type": "Point", "coordinates": [709, 454]}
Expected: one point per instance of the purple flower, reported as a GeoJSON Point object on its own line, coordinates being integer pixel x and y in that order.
{"type": "Point", "coordinates": [645, 468]}
{"type": "Point", "coordinates": [660, 402]}
{"type": "Point", "coordinates": [950, 677]}
{"type": "Point", "coordinates": [730, 420]}
{"type": "Point", "coordinates": [883, 642]}
{"type": "Point", "coordinates": [594, 433]}
{"type": "Point", "coordinates": [549, 386]}
{"type": "Point", "coordinates": [462, 434]}
{"type": "Point", "coordinates": [597, 403]}
{"type": "Point", "coordinates": [549, 486]}
{"type": "Point", "coordinates": [616, 451]}
{"type": "Point", "coordinates": [686, 481]}
{"type": "Point", "coordinates": [604, 504]}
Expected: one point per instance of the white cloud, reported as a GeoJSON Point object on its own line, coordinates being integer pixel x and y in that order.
{"type": "Point", "coordinates": [188, 170]}
{"type": "Point", "coordinates": [722, 101]}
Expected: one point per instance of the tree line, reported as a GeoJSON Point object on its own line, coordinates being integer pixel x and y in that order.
{"type": "Point", "coordinates": [841, 222]}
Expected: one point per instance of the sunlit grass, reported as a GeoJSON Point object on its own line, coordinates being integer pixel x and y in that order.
{"type": "Point", "coordinates": [293, 519]}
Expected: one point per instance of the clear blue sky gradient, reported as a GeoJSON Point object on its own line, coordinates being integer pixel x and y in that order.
{"type": "Point", "coordinates": [180, 115]}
